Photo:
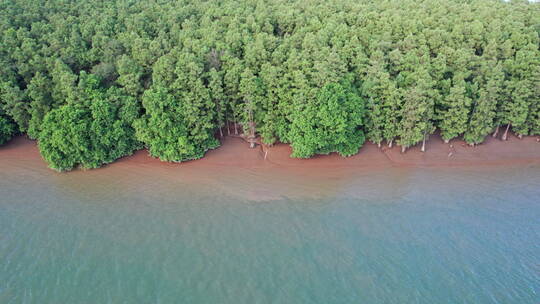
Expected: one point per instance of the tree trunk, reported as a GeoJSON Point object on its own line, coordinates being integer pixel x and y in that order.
{"type": "Point", "coordinates": [423, 149]}
{"type": "Point", "coordinates": [390, 143]}
{"type": "Point", "coordinates": [235, 129]}
{"type": "Point", "coordinates": [520, 136]}
{"type": "Point", "coordinates": [496, 132]}
{"type": "Point", "coordinates": [505, 135]}
{"type": "Point", "coordinates": [403, 148]}
{"type": "Point", "coordinates": [220, 132]}
{"type": "Point", "coordinates": [228, 128]}
{"type": "Point", "coordinates": [379, 145]}
{"type": "Point", "coordinates": [446, 141]}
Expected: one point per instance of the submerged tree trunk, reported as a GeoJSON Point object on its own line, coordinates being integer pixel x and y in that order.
{"type": "Point", "coordinates": [505, 135]}
{"type": "Point", "coordinates": [496, 132]}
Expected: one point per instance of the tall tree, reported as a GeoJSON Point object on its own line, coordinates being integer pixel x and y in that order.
{"type": "Point", "coordinates": [382, 102]}
{"type": "Point", "coordinates": [417, 111]}
{"type": "Point", "coordinates": [91, 132]}
{"type": "Point", "coordinates": [130, 74]}
{"type": "Point", "coordinates": [483, 114]}
{"type": "Point", "coordinates": [15, 104]}
{"type": "Point", "coordinates": [39, 91]}
{"type": "Point", "coordinates": [167, 132]}
{"type": "Point", "coordinates": [454, 119]}
{"type": "Point", "coordinates": [7, 128]}
{"type": "Point", "coordinates": [217, 94]}
{"type": "Point", "coordinates": [250, 90]}
{"type": "Point", "coordinates": [520, 88]}
{"type": "Point", "coordinates": [332, 122]}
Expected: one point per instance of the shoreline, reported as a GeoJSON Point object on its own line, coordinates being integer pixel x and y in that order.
{"type": "Point", "coordinates": [236, 170]}
{"type": "Point", "coordinates": [235, 152]}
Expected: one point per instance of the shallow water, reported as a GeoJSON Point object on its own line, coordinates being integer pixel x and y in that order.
{"type": "Point", "coordinates": [401, 235]}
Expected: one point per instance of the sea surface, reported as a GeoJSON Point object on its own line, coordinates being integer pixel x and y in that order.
{"type": "Point", "coordinates": [398, 235]}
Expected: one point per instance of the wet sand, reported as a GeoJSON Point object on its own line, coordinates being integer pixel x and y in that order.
{"type": "Point", "coordinates": [235, 169]}
{"type": "Point", "coordinates": [235, 153]}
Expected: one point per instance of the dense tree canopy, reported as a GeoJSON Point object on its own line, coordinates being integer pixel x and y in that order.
{"type": "Point", "coordinates": [92, 130]}
{"type": "Point", "coordinates": [168, 132]}
{"type": "Point", "coordinates": [331, 122]}
{"type": "Point", "coordinates": [92, 81]}
{"type": "Point", "coordinates": [7, 129]}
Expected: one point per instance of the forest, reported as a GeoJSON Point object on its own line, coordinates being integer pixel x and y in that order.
{"type": "Point", "coordinates": [92, 81]}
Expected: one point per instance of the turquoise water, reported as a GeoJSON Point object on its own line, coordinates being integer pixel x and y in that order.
{"type": "Point", "coordinates": [397, 236]}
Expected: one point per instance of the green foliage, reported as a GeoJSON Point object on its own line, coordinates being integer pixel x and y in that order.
{"type": "Point", "coordinates": [271, 118]}
{"type": "Point", "coordinates": [130, 74]}
{"type": "Point", "coordinates": [166, 130]}
{"type": "Point", "coordinates": [218, 97]}
{"type": "Point", "coordinates": [417, 111]}
{"type": "Point", "coordinates": [89, 133]}
{"type": "Point", "coordinates": [534, 118]}
{"type": "Point", "coordinates": [39, 91]}
{"type": "Point", "coordinates": [185, 71]}
{"type": "Point", "coordinates": [522, 88]}
{"type": "Point", "coordinates": [14, 103]}
{"type": "Point", "coordinates": [64, 83]}
{"type": "Point", "coordinates": [382, 101]}
{"type": "Point", "coordinates": [454, 118]}
{"type": "Point", "coordinates": [485, 108]}
{"type": "Point", "coordinates": [332, 122]}
{"type": "Point", "coordinates": [7, 129]}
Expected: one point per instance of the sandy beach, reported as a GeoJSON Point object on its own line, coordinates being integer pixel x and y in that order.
{"type": "Point", "coordinates": [237, 170]}
{"type": "Point", "coordinates": [234, 152]}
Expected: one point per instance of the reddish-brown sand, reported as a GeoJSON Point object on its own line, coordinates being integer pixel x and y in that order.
{"type": "Point", "coordinates": [235, 153]}
{"type": "Point", "coordinates": [236, 169]}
